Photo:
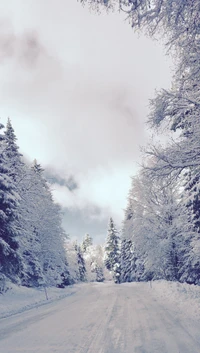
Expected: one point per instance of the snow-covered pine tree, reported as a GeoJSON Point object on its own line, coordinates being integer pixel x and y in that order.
{"type": "Point", "coordinates": [46, 222]}
{"type": "Point", "coordinates": [128, 256]}
{"type": "Point", "coordinates": [10, 261]}
{"type": "Point", "coordinates": [112, 251]}
{"type": "Point", "coordinates": [97, 264]}
{"type": "Point", "coordinates": [28, 242]}
{"type": "Point", "coordinates": [98, 269]}
{"type": "Point", "coordinates": [72, 261]}
{"type": "Point", "coordinates": [127, 261]}
{"type": "Point", "coordinates": [87, 242]}
{"type": "Point", "coordinates": [31, 235]}
{"type": "Point", "coordinates": [81, 263]}
{"type": "Point", "coordinates": [12, 153]}
{"type": "Point", "coordinates": [94, 263]}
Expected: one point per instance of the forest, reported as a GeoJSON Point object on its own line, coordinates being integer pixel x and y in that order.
{"type": "Point", "coordinates": [161, 229]}
{"type": "Point", "coordinates": [35, 251]}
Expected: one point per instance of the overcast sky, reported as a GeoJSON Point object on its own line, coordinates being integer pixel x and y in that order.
{"type": "Point", "coordinates": [76, 86]}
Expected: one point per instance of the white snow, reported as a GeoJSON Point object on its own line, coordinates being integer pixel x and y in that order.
{"type": "Point", "coordinates": [103, 318]}
{"type": "Point", "coordinates": [18, 299]}
{"type": "Point", "coordinates": [184, 297]}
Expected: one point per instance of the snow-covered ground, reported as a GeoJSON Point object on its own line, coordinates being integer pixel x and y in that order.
{"type": "Point", "coordinates": [103, 318]}
{"type": "Point", "coordinates": [19, 299]}
{"type": "Point", "coordinates": [185, 298]}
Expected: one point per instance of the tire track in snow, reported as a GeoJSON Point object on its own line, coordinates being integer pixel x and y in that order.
{"type": "Point", "coordinates": [93, 342]}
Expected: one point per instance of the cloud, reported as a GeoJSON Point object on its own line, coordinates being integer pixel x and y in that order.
{"type": "Point", "coordinates": [85, 91]}
{"type": "Point", "coordinates": [53, 177]}
{"type": "Point", "coordinates": [76, 86]}
{"type": "Point", "coordinates": [25, 49]}
{"type": "Point", "coordinates": [101, 192]}
{"type": "Point", "coordinates": [77, 225]}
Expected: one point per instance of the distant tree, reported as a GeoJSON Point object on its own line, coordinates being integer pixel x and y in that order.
{"type": "Point", "coordinates": [87, 242]}
{"type": "Point", "coordinates": [97, 263]}
{"type": "Point", "coordinates": [128, 256]}
{"type": "Point", "coordinates": [72, 261]}
{"type": "Point", "coordinates": [12, 154]}
{"type": "Point", "coordinates": [81, 263]}
{"type": "Point", "coordinates": [99, 273]}
{"type": "Point", "coordinates": [112, 251]}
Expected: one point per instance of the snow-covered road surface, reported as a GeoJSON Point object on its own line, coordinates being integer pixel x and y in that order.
{"type": "Point", "coordinates": [102, 318]}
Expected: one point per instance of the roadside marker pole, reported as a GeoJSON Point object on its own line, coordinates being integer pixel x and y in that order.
{"type": "Point", "coordinates": [45, 290]}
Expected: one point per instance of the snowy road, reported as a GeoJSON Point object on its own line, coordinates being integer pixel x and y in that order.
{"type": "Point", "coordinates": [102, 318]}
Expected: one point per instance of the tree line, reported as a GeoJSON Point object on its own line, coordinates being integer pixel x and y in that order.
{"type": "Point", "coordinates": [161, 231]}
{"type": "Point", "coordinates": [34, 248]}
{"type": "Point", "coordinates": [31, 234]}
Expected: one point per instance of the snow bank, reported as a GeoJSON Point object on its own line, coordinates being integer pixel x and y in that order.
{"type": "Point", "coordinates": [184, 297]}
{"type": "Point", "coordinates": [18, 299]}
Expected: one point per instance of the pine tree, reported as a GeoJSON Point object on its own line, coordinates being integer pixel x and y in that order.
{"type": "Point", "coordinates": [48, 225]}
{"type": "Point", "coordinates": [12, 153]}
{"type": "Point", "coordinates": [112, 251]}
{"type": "Point", "coordinates": [99, 273]}
{"type": "Point", "coordinates": [99, 264]}
{"type": "Point", "coordinates": [10, 262]}
{"type": "Point", "coordinates": [87, 242]}
{"type": "Point", "coordinates": [128, 256]}
{"type": "Point", "coordinates": [127, 261]}
{"type": "Point", "coordinates": [28, 242]}
{"type": "Point", "coordinates": [81, 263]}
{"type": "Point", "coordinates": [72, 261]}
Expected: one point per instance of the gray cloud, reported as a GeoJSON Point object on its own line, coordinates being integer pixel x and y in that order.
{"type": "Point", "coordinates": [54, 177]}
{"type": "Point", "coordinates": [77, 224]}
{"type": "Point", "coordinates": [25, 49]}
{"type": "Point", "coordinates": [76, 87]}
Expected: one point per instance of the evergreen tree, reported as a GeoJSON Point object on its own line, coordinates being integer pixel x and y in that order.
{"type": "Point", "coordinates": [99, 273]}
{"type": "Point", "coordinates": [28, 242]}
{"type": "Point", "coordinates": [94, 263]}
{"type": "Point", "coordinates": [48, 225]}
{"type": "Point", "coordinates": [112, 251]}
{"type": "Point", "coordinates": [72, 261]}
{"type": "Point", "coordinates": [12, 153]}
{"type": "Point", "coordinates": [10, 262]}
{"type": "Point", "coordinates": [99, 263]}
{"type": "Point", "coordinates": [128, 256]}
{"type": "Point", "coordinates": [127, 261]}
{"type": "Point", "coordinates": [87, 242]}
{"type": "Point", "coordinates": [81, 263]}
